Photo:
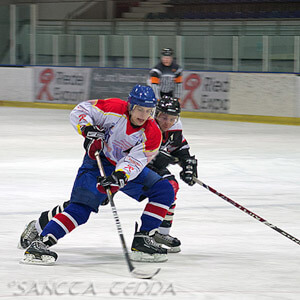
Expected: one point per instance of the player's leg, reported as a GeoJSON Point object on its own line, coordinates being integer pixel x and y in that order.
{"type": "Point", "coordinates": [85, 198]}
{"type": "Point", "coordinates": [73, 216]}
{"type": "Point", "coordinates": [160, 195]}
{"type": "Point", "coordinates": [163, 236]}
{"type": "Point", "coordinates": [35, 227]}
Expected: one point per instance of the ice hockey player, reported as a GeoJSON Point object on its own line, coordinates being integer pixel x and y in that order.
{"type": "Point", "coordinates": [174, 149]}
{"type": "Point", "coordinates": [166, 76]}
{"type": "Point", "coordinates": [128, 138]}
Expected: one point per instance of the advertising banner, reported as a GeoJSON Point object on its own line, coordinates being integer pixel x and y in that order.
{"type": "Point", "coordinates": [206, 92]}
{"type": "Point", "coordinates": [107, 83]}
{"type": "Point", "coordinates": [61, 85]}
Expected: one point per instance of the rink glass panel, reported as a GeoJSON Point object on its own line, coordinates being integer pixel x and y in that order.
{"type": "Point", "coordinates": [4, 34]}
{"type": "Point", "coordinates": [90, 50]}
{"type": "Point", "coordinates": [250, 53]}
{"type": "Point", "coordinates": [22, 33]}
{"type": "Point", "coordinates": [281, 53]}
{"type": "Point", "coordinates": [257, 46]}
{"type": "Point", "coordinates": [44, 49]}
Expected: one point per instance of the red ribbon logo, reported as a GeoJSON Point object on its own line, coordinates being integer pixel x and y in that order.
{"type": "Point", "coordinates": [130, 168]}
{"type": "Point", "coordinates": [82, 117]}
{"type": "Point", "coordinates": [46, 77]}
{"type": "Point", "coordinates": [191, 83]}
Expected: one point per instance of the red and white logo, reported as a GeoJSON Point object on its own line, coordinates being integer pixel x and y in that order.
{"type": "Point", "coordinates": [46, 77]}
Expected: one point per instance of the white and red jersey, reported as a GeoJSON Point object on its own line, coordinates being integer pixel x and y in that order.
{"type": "Point", "coordinates": [174, 141]}
{"type": "Point", "coordinates": [129, 148]}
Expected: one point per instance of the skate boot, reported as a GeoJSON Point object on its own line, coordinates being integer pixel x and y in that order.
{"type": "Point", "coordinates": [144, 248]}
{"type": "Point", "coordinates": [38, 252]}
{"type": "Point", "coordinates": [28, 236]}
{"type": "Point", "coordinates": [171, 242]}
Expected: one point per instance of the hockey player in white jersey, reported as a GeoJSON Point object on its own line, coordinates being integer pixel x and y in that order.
{"type": "Point", "coordinates": [128, 138]}
{"type": "Point", "coordinates": [174, 146]}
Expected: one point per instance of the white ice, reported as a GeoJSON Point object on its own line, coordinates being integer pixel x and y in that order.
{"type": "Point", "coordinates": [226, 254]}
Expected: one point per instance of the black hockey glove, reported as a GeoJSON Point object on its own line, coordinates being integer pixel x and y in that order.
{"type": "Point", "coordinates": [117, 179]}
{"type": "Point", "coordinates": [163, 159]}
{"type": "Point", "coordinates": [189, 170]}
{"type": "Point", "coordinates": [94, 137]}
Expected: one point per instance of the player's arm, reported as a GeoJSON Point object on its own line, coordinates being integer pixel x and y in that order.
{"type": "Point", "coordinates": [88, 121]}
{"type": "Point", "coordinates": [167, 154]}
{"type": "Point", "coordinates": [178, 83]}
{"type": "Point", "coordinates": [85, 114]}
{"type": "Point", "coordinates": [186, 161]}
{"type": "Point", "coordinates": [155, 75]}
{"type": "Point", "coordinates": [162, 160]}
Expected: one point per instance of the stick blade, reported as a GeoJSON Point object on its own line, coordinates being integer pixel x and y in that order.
{"type": "Point", "coordinates": [144, 274]}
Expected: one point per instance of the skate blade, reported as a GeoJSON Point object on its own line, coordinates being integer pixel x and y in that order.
{"type": "Point", "coordinates": [141, 274]}
{"type": "Point", "coordinates": [145, 257]}
{"type": "Point", "coordinates": [46, 260]}
{"type": "Point", "coordinates": [174, 249]}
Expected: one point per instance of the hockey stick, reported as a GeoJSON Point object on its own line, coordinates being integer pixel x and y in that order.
{"type": "Point", "coordinates": [135, 272]}
{"type": "Point", "coordinates": [247, 211]}
{"type": "Point", "coordinates": [244, 209]}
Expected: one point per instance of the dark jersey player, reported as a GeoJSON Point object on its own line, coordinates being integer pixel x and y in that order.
{"type": "Point", "coordinates": [174, 149]}
{"type": "Point", "coordinates": [166, 76]}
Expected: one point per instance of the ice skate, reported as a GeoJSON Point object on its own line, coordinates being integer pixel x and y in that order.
{"type": "Point", "coordinates": [145, 249]}
{"type": "Point", "coordinates": [28, 236]}
{"type": "Point", "coordinates": [38, 252]}
{"type": "Point", "coordinates": [172, 243]}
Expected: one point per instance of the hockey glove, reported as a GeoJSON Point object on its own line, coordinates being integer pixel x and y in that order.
{"type": "Point", "coordinates": [163, 159]}
{"type": "Point", "coordinates": [189, 170]}
{"type": "Point", "coordinates": [115, 181]}
{"type": "Point", "coordinates": [94, 137]}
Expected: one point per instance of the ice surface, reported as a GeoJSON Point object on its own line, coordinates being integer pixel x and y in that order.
{"type": "Point", "coordinates": [226, 254]}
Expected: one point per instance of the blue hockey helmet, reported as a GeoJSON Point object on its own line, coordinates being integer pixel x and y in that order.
{"type": "Point", "coordinates": [143, 96]}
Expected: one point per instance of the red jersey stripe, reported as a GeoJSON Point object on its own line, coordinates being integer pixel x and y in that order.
{"type": "Point", "coordinates": [66, 221]}
{"type": "Point", "coordinates": [160, 211]}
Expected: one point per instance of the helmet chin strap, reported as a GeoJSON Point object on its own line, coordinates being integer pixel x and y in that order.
{"type": "Point", "coordinates": [131, 107]}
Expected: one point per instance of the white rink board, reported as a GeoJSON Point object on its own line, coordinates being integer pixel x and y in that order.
{"type": "Point", "coordinates": [258, 94]}
{"type": "Point", "coordinates": [16, 84]}
{"type": "Point", "coordinates": [264, 94]}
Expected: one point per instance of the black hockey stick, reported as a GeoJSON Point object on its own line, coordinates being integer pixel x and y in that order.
{"type": "Point", "coordinates": [135, 272]}
{"type": "Point", "coordinates": [244, 209]}
{"type": "Point", "coordinates": [247, 211]}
